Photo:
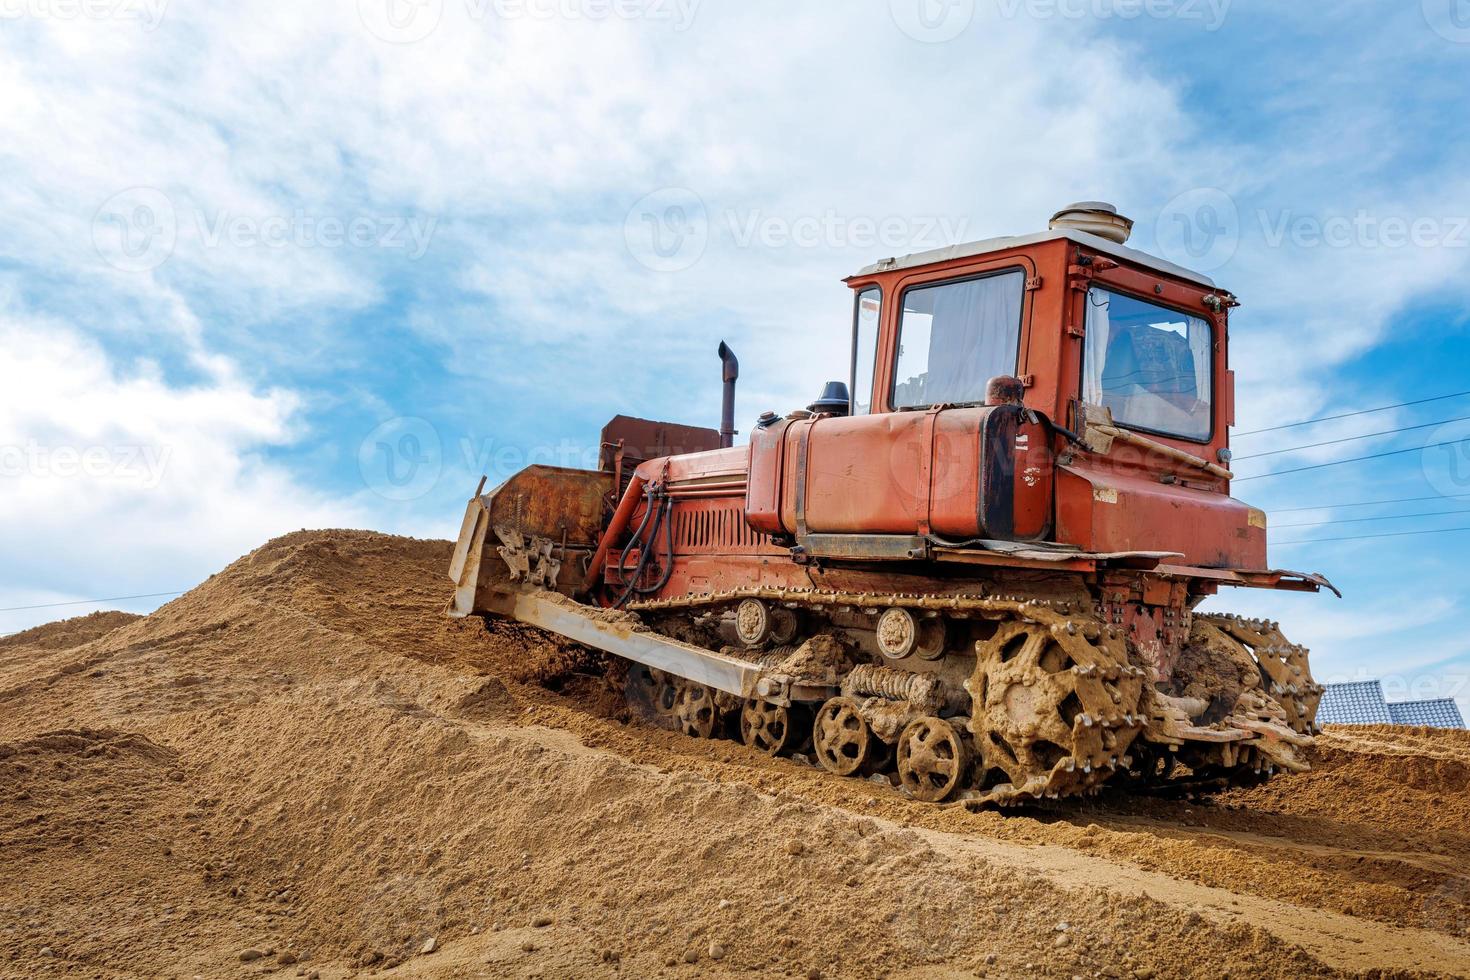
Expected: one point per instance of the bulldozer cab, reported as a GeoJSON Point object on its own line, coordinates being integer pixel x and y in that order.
{"type": "Point", "coordinates": [1092, 329]}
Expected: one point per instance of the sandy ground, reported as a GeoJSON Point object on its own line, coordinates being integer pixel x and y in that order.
{"type": "Point", "coordinates": [301, 768]}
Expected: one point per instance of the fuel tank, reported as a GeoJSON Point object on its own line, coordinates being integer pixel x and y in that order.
{"type": "Point", "coordinates": [957, 473]}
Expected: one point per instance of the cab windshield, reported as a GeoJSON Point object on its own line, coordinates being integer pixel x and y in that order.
{"type": "Point", "coordinates": [1149, 365]}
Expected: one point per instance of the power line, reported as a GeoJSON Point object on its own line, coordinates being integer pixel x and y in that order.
{"type": "Point", "coordinates": [1360, 537]}
{"type": "Point", "coordinates": [1370, 435]}
{"type": "Point", "coordinates": [1370, 503]}
{"type": "Point", "coordinates": [1348, 415]}
{"type": "Point", "coordinates": [1354, 459]}
{"type": "Point", "coordinates": [90, 602]}
{"type": "Point", "coordinates": [1360, 520]}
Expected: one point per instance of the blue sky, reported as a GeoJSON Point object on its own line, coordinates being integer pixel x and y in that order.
{"type": "Point", "coordinates": [271, 266]}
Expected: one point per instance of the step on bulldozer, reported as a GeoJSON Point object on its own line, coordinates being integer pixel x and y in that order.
{"type": "Point", "coordinates": [972, 568]}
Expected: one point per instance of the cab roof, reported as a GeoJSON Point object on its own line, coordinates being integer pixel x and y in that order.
{"type": "Point", "coordinates": [984, 246]}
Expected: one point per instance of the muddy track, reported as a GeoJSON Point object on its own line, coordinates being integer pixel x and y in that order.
{"type": "Point", "coordinates": [302, 756]}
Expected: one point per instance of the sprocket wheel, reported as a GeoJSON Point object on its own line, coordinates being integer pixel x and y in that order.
{"type": "Point", "coordinates": [767, 727]}
{"type": "Point", "coordinates": [843, 742]}
{"type": "Point", "coordinates": [695, 712]}
{"type": "Point", "coordinates": [1056, 706]}
{"type": "Point", "coordinates": [932, 759]}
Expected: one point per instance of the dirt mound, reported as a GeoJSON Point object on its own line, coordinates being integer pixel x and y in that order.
{"type": "Point", "coordinates": [302, 766]}
{"type": "Point", "coordinates": [1401, 779]}
{"type": "Point", "coordinates": [68, 633]}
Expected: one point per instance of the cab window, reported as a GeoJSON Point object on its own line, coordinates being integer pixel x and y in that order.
{"type": "Point", "coordinates": [1149, 365]}
{"type": "Point", "coordinates": [955, 336]}
{"type": "Point", "coordinates": [864, 348]}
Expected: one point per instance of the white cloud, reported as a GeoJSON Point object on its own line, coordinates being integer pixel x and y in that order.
{"type": "Point", "coordinates": [115, 480]}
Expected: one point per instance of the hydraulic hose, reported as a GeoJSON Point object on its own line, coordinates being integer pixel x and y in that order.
{"type": "Point", "coordinates": [658, 511]}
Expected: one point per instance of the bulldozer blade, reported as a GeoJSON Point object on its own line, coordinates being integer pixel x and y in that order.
{"type": "Point", "coordinates": [553, 509]}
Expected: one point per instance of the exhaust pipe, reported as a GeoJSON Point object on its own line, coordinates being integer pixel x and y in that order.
{"type": "Point", "coordinates": [730, 373]}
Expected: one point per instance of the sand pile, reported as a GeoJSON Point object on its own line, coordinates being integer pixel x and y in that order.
{"type": "Point", "coordinates": [301, 767]}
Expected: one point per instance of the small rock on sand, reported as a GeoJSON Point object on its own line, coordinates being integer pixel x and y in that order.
{"type": "Point", "coordinates": [246, 955]}
{"type": "Point", "coordinates": [716, 951]}
{"type": "Point", "coordinates": [541, 921]}
{"type": "Point", "coordinates": [430, 944]}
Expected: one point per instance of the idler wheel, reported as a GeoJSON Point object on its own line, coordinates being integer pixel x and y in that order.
{"type": "Point", "coordinates": [694, 710]}
{"type": "Point", "coordinates": [769, 728]}
{"type": "Point", "coordinates": [932, 759]}
{"type": "Point", "coordinates": [901, 634]}
{"type": "Point", "coordinates": [843, 742]}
